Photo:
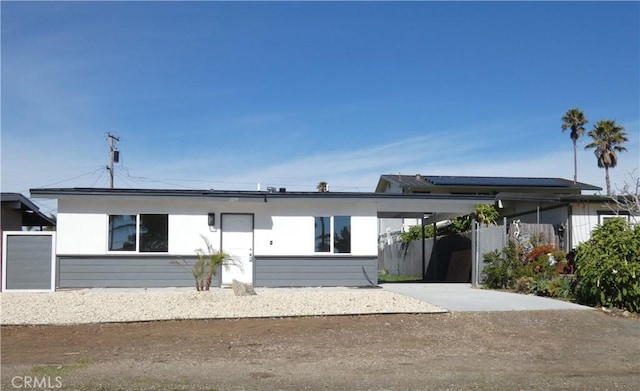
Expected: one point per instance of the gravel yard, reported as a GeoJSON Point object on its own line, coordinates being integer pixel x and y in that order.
{"type": "Point", "coordinates": [118, 305]}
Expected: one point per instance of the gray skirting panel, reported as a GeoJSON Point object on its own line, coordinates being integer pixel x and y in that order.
{"type": "Point", "coordinates": [314, 271]}
{"type": "Point", "coordinates": [163, 271]}
{"type": "Point", "coordinates": [126, 272]}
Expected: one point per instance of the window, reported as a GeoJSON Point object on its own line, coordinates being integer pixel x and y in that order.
{"type": "Point", "coordinates": [122, 233]}
{"type": "Point", "coordinates": [606, 215]}
{"type": "Point", "coordinates": [143, 233]}
{"type": "Point", "coordinates": [333, 234]}
{"type": "Point", "coordinates": [154, 233]}
{"type": "Point", "coordinates": [342, 234]}
{"type": "Point", "coordinates": [323, 234]}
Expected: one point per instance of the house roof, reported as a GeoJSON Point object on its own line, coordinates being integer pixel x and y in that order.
{"type": "Point", "coordinates": [389, 205]}
{"type": "Point", "coordinates": [516, 184]}
{"type": "Point", "coordinates": [31, 214]}
{"type": "Point", "coordinates": [240, 194]}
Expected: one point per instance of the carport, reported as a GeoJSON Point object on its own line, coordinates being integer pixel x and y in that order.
{"type": "Point", "coordinates": [435, 208]}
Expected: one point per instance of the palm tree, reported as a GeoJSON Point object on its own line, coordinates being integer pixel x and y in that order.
{"type": "Point", "coordinates": [607, 141]}
{"type": "Point", "coordinates": [322, 187]}
{"type": "Point", "coordinates": [574, 119]}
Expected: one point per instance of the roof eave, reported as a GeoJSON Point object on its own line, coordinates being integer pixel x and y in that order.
{"type": "Point", "coordinates": [257, 195]}
{"type": "Point", "coordinates": [31, 214]}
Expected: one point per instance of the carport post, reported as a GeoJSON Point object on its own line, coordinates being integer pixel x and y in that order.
{"type": "Point", "coordinates": [424, 271]}
{"type": "Point", "coordinates": [474, 250]}
{"type": "Point", "coordinates": [434, 254]}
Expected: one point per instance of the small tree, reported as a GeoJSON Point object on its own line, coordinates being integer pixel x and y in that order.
{"type": "Point", "coordinates": [628, 198]}
{"type": "Point", "coordinates": [208, 261]}
{"type": "Point", "coordinates": [322, 187]}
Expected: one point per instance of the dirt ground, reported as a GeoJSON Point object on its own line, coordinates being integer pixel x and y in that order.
{"type": "Point", "coordinates": [558, 350]}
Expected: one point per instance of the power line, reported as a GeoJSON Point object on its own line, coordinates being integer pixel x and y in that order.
{"type": "Point", "coordinates": [143, 180]}
{"type": "Point", "coordinates": [70, 179]}
{"type": "Point", "coordinates": [98, 178]}
{"type": "Point", "coordinates": [124, 180]}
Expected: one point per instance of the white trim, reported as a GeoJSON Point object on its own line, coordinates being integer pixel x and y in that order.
{"type": "Point", "coordinates": [53, 259]}
{"type": "Point", "coordinates": [605, 216]}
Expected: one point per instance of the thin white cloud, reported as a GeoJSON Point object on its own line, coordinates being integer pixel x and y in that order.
{"type": "Point", "coordinates": [27, 165]}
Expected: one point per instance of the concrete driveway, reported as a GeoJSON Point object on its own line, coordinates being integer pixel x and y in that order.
{"type": "Point", "coordinates": [464, 298]}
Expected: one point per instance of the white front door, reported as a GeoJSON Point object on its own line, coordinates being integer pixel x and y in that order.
{"type": "Point", "coordinates": [237, 241]}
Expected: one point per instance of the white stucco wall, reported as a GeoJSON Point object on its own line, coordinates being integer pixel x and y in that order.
{"type": "Point", "coordinates": [281, 228]}
{"type": "Point", "coordinates": [288, 235]}
{"type": "Point", "coordinates": [186, 233]}
{"type": "Point", "coordinates": [81, 233]}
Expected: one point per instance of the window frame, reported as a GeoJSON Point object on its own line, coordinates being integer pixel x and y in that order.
{"type": "Point", "coordinates": [138, 235]}
{"type": "Point", "coordinates": [332, 249]}
{"type": "Point", "coordinates": [605, 215]}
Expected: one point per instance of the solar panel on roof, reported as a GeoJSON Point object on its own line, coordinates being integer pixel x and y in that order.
{"type": "Point", "coordinates": [496, 181]}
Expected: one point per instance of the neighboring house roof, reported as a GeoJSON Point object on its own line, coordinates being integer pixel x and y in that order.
{"type": "Point", "coordinates": [471, 184]}
{"type": "Point", "coordinates": [31, 214]}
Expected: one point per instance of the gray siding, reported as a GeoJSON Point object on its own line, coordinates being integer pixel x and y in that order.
{"type": "Point", "coordinates": [126, 272]}
{"type": "Point", "coordinates": [315, 271]}
{"type": "Point", "coordinates": [29, 261]}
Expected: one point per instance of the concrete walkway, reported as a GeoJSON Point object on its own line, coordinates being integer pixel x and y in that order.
{"type": "Point", "coordinates": [464, 298]}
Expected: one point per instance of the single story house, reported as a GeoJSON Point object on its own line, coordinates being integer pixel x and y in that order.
{"type": "Point", "coordinates": [140, 237]}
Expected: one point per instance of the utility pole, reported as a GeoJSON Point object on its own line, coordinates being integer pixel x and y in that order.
{"type": "Point", "coordinates": [114, 156]}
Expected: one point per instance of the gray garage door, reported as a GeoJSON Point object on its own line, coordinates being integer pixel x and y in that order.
{"type": "Point", "coordinates": [29, 261]}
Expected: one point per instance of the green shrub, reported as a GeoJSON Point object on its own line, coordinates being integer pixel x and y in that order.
{"type": "Point", "coordinates": [560, 256]}
{"type": "Point", "coordinates": [487, 214]}
{"type": "Point", "coordinates": [608, 267]}
{"type": "Point", "coordinates": [523, 284]}
{"type": "Point", "coordinates": [540, 267]}
{"type": "Point", "coordinates": [503, 268]}
{"type": "Point", "coordinates": [513, 268]}
{"type": "Point", "coordinates": [558, 287]}
{"type": "Point", "coordinates": [415, 233]}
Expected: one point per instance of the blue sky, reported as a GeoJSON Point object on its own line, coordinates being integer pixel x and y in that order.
{"type": "Point", "coordinates": [227, 95]}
